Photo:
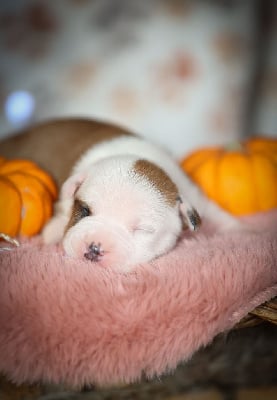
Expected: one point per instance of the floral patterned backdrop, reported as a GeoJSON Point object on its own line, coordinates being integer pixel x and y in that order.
{"type": "Point", "coordinates": [180, 72]}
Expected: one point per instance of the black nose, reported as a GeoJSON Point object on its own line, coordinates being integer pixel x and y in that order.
{"type": "Point", "coordinates": [94, 252]}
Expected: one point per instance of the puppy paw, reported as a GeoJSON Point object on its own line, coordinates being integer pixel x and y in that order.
{"type": "Point", "coordinates": [54, 230]}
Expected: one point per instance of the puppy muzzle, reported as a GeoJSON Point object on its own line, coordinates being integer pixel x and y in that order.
{"type": "Point", "coordinates": [100, 241]}
{"type": "Point", "coordinates": [95, 252]}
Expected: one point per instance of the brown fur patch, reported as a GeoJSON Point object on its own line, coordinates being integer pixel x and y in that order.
{"type": "Point", "coordinates": [56, 145]}
{"type": "Point", "coordinates": [159, 179]}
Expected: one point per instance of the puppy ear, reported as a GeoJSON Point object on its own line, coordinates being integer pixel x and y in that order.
{"type": "Point", "coordinates": [72, 184]}
{"type": "Point", "coordinates": [190, 216]}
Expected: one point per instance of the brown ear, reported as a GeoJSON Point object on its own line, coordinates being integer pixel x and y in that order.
{"type": "Point", "coordinates": [72, 184]}
{"type": "Point", "coordinates": [190, 216]}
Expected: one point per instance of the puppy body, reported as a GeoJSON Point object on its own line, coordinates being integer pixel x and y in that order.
{"type": "Point", "coordinates": [127, 202]}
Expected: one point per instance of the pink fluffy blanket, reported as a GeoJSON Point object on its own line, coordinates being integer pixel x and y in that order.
{"type": "Point", "coordinates": [72, 322]}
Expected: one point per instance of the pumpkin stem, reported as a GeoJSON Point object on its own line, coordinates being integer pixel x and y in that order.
{"type": "Point", "coordinates": [9, 240]}
{"type": "Point", "coordinates": [234, 146]}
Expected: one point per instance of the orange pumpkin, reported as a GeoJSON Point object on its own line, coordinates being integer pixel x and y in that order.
{"type": "Point", "coordinates": [27, 194]}
{"type": "Point", "coordinates": [241, 179]}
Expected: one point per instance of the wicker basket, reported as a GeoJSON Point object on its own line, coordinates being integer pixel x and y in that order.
{"type": "Point", "coordinates": [264, 312]}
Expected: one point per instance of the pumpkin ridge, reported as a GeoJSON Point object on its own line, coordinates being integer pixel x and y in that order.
{"type": "Point", "coordinates": [16, 165]}
{"type": "Point", "coordinates": [254, 181]}
{"type": "Point", "coordinates": [266, 146]}
{"type": "Point", "coordinates": [33, 195]}
{"type": "Point", "coordinates": [14, 221]}
{"type": "Point", "coordinates": [202, 158]}
{"type": "Point", "coordinates": [258, 159]}
{"type": "Point", "coordinates": [44, 178]}
{"type": "Point", "coordinates": [217, 179]}
{"type": "Point", "coordinates": [26, 229]}
{"type": "Point", "coordinates": [207, 165]}
{"type": "Point", "coordinates": [27, 195]}
{"type": "Point", "coordinates": [243, 181]}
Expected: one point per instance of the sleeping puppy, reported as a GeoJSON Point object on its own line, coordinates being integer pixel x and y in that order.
{"type": "Point", "coordinates": [127, 202]}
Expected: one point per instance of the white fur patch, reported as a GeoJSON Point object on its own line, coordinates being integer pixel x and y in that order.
{"type": "Point", "coordinates": [132, 219]}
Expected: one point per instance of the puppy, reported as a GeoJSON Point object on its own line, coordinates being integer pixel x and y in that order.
{"type": "Point", "coordinates": [127, 202]}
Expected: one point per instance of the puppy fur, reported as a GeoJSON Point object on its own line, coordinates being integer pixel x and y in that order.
{"type": "Point", "coordinates": [125, 201]}
{"type": "Point", "coordinates": [57, 144]}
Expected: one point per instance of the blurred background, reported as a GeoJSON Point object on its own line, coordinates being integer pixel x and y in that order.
{"type": "Point", "coordinates": [181, 72]}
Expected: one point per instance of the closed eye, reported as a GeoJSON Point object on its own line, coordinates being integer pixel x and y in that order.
{"type": "Point", "coordinates": [144, 229]}
{"type": "Point", "coordinates": [84, 211]}
{"type": "Point", "coordinates": [79, 211]}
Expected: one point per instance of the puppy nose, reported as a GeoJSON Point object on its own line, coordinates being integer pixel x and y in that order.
{"type": "Point", "coordinates": [94, 252]}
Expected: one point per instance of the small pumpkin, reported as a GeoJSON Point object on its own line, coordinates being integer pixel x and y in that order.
{"type": "Point", "coordinates": [241, 179]}
{"type": "Point", "coordinates": [27, 194]}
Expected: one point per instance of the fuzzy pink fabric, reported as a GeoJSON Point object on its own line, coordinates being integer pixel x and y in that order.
{"type": "Point", "coordinates": [72, 322]}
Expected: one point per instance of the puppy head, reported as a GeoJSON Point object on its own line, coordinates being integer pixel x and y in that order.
{"type": "Point", "coordinates": [124, 212]}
